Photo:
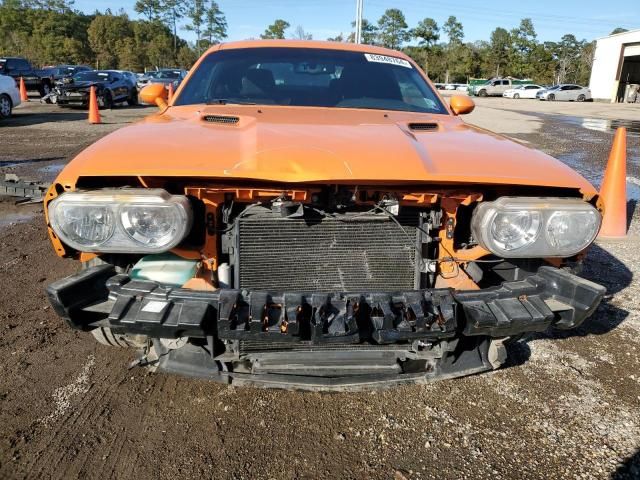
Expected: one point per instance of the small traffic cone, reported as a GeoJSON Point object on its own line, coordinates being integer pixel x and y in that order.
{"type": "Point", "coordinates": [614, 189]}
{"type": "Point", "coordinates": [94, 111]}
{"type": "Point", "coordinates": [170, 94]}
{"type": "Point", "coordinates": [23, 91]}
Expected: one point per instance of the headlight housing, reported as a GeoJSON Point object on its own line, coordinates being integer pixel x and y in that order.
{"type": "Point", "coordinates": [121, 221]}
{"type": "Point", "coordinates": [519, 227]}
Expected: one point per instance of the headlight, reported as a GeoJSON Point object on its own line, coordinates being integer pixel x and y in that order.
{"type": "Point", "coordinates": [517, 227]}
{"type": "Point", "coordinates": [121, 221]}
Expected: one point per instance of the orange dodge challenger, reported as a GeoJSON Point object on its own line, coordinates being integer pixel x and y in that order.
{"type": "Point", "coordinates": [314, 215]}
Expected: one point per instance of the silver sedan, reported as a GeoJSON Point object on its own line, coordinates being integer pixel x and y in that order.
{"type": "Point", "coordinates": [567, 92]}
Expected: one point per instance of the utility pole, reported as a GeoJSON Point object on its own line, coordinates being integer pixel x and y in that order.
{"type": "Point", "coordinates": [359, 7]}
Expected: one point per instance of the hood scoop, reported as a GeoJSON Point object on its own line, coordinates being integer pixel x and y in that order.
{"type": "Point", "coordinates": [222, 119]}
{"type": "Point", "coordinates": [423, 126]}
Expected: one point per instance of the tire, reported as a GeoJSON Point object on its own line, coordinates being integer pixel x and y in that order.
{"type": "Point", "coordinates": [104, 335]}
{"type": "Point", "coordinates": [581, 98]}
{"type": "Point", "coordinates": [516, 96]}
{"type": "Point", "coordinates": [6, 106]}
{"type": "Point", "coordinates": [132, 101]}
{"type": "Point", "coordinates": [551, 97]}
{"type": "Point", "coordinates": [105, 101]}
{"type": "Point", "coordinates": [45, 89]}
{"type": "Point", "coordinates": [482, 93]}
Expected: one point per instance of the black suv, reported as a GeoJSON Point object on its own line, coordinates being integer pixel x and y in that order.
{"type": "Point", "coordinates": [17, 67]}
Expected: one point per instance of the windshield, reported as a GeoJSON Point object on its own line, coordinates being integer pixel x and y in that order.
{"type": "Point", "coordinates": [167, 74]}
{"type": "Point", "coordinates": [309, 77]}
{"type": "Point", "coordinates": [91, 76]}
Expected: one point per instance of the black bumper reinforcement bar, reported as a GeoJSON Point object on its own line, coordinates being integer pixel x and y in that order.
{"type": "Point", "coordinates": [98, 297]}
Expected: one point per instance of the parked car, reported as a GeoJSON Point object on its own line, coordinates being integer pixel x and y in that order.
{"type": "Point", "coordinates": [130, 76]}
{"type": "Point", "coordinates": [565, 93]}
{"type": "Point", "coordinates": [36, 80]}
{"type": "Point", "coordinates": [440, 86]}
{"type": "Point", "coordinates": [164, 76]}
{"type": "Point", "coordinates": [111, 87]}
{"type": "Point", "coordinates": [59, 72]}
{"type": "Point", "coordinates": [9, 96]}
{"type": "Point", "coordinates": [523, 91]}
{"type": "Point", "coordinates": [494, 87]}
{"type": "Point", "coordinates": [314, 215]}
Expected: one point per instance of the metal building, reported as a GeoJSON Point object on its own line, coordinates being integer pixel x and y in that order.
{"type": "Point", "coordinates": [615, 76]}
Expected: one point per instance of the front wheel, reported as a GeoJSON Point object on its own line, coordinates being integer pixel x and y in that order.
{"type": "Point", "coordinates": [482, 93]}
{"type": "Point", "coordinates": [516, 96]}
{"type": "Point", "coordinates": [551, 97]}
{"type": "Point", "coordinates": [132, 101]}
{"type": "Point", "coordinates": [105, 101]}
{"type": "Point", "coordinates": [45, 89]}
{"type": "Point", "coordinates": [581, 98]}
{"type": "Point", "coordinates": [5, 106]}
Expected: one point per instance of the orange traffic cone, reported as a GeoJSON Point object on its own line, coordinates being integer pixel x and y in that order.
{"type": "Point", "coordinates": [614, 189]}
{"type": "Point", "coordinates": [170, 94]}
{"type": "Point", "coordinates": [23, 91]}
{"type": "Point", "coordinates": [94, 112]}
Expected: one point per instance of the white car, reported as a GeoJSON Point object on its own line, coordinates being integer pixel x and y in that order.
{"type": "Point", "coordinates": [9, 96]}
{"type": "Point", "coordinates": [565, 92]}
{"type": "Point", "coordinates": [523, 91]}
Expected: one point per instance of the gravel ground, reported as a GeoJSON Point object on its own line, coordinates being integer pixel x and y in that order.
{"type": "Point", "coordinates": [565, 406]}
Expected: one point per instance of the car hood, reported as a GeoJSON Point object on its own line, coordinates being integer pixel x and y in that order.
{"type": "Point", "coordinates": [297, 144]}
{"type": "Point", "coordinates": [80, 85]}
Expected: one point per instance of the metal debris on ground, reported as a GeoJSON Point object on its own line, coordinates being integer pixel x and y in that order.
{"type": "Point", "coordinates": [30, 192]}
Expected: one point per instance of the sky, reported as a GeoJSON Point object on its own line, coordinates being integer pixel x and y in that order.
{"type": "Point", "coordinates": [586, 19]}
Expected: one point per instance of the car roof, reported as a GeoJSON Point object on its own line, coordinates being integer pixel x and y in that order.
{"type": "Point", "coordinates": [344, 46]}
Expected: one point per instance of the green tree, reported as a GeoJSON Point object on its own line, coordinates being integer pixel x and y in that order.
{"type": "Point", "coordinates": [524, 42]}
{"type": "Point", "coordinates": [617, 30]}
{"type": "Point", "coordinates": [152, 9]}
{"type": "Point", "coordinates": [499, 48]}
{"type": "Point", "coordinates": [275, 30]}
{"type": "Point", "coordinates": [454, 51]}
{"type": "Point", "coordinates": [338, 38]}
{"type": "Point", "coordinates": [393, 29]}
{"type": "Point", "coordinates": [195, 12]}
{"type": "Point", "coordinates": [427, 32]}
{"type": "Point", "coordinates": [104, 33]}
{"type": "Point", "coordinates": [369, 33]}
{"type": "Point", "coordinates": [172, 12]}
{"type": "Point", "coordinates": [453, 29]}
{"type": "Point", "coordinates": [186, 57]}
{"type": "Point", "coordinates": [216, 24]}
{"type": "Point", "coordinates": [300, 34]}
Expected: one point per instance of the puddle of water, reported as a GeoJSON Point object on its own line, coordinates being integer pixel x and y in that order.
{"type": "Point", "coordinates": [603, 125]}
{"type": "Point", "coordinates": [13, 218]}
{"type": "Point", "coordinates": [55, 168]}
{"type": "Point", "coordinates": [579, 161]}
{"type": "Point", "coordinates": [31, 161]}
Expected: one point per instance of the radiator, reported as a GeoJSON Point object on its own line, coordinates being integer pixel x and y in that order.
{"type": "Point", "coordinates": [351, 254]}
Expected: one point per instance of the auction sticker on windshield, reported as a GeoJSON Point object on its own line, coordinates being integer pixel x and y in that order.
{"type": "Point", "coordinates": [372, 57]}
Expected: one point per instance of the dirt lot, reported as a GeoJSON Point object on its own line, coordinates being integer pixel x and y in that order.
{"type": "Point", "coordinates": [566, 406]}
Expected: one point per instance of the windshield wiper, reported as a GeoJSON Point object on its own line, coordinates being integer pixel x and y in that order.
{"type": "Point", "coordinates": [227, 101]}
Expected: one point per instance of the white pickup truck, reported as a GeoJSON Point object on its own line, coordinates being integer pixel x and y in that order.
{"type": "Point", "coordinates": [495, 87]}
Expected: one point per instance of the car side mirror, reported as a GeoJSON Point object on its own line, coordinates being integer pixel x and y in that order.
{"type": "Point", "coordinates": [461, 104]}
{"type": "Point", "coordinates": [154, 94]}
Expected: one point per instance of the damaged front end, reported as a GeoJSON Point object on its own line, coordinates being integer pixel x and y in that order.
{"type": "Point", "coordinates": [321, 287]}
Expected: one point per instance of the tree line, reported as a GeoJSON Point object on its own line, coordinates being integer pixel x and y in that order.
{"type": "Point", "coordinates": [53, 32]}
{"type": "Point", "coordinates": [442, 53]}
